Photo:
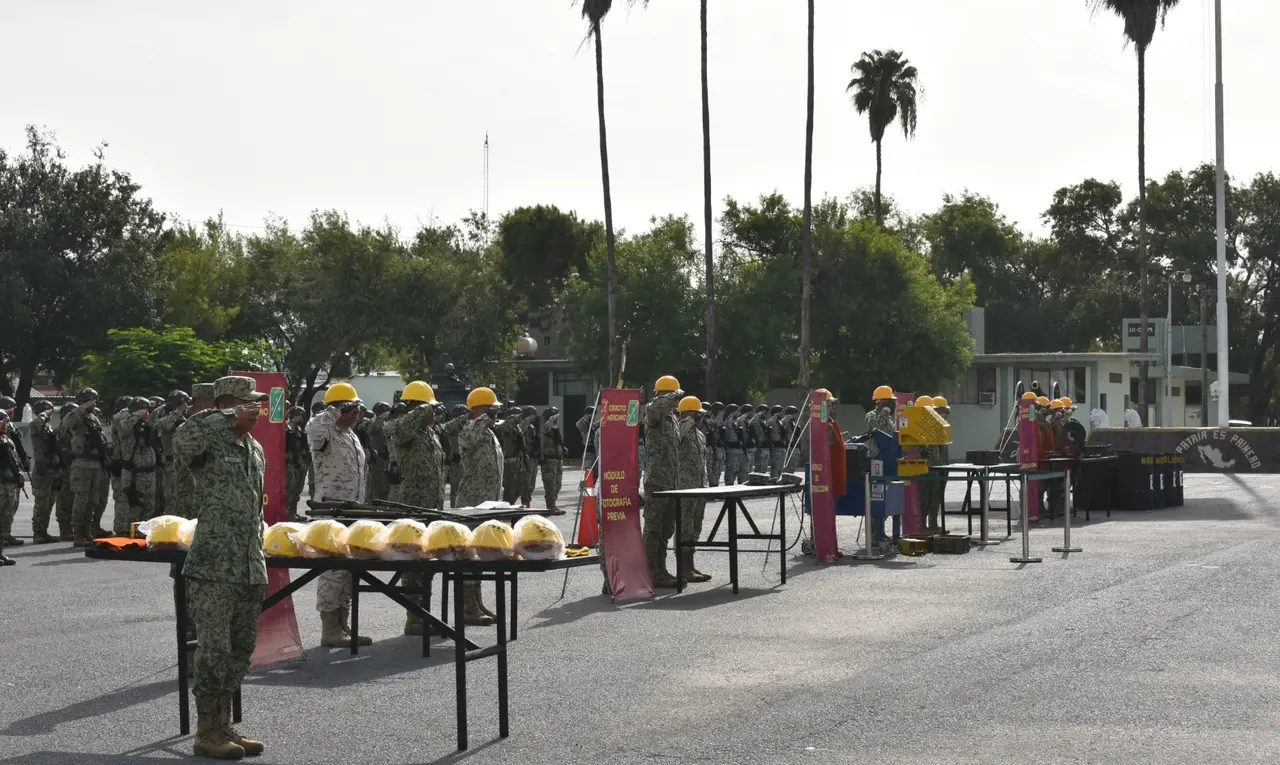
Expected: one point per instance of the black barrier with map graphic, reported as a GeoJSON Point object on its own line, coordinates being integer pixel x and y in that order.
{"type": "Point", "coordinates": [1204, 450]}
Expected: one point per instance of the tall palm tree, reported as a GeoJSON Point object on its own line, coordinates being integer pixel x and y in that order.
{"type": "Point", "coordinates": [594, 12]}
{"type": "Point", "coordinates": [1141, 17]}
{"type": "Point", "coordinates": [806, 290]}
{"type": "Point", "coordinates": [885, 86]}
{"type": "Point", "coordinates": [710, 386]}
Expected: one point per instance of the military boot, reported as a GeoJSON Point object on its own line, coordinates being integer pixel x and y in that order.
{"type": "Point", "coordinates": [332, 635]}
{"type": "Point", "coordinates": [473, 613]}
{"type": "Point", "coordinates": [691, 572]}
{"type": "Point", "coordinates": [210, 741]}
{"type": "Point", "coordinates": [413, 624]}
{"type": "Point", "coordinates": [343, 615]}
{"type": "Point", "coordinates": [250, 747]}
{"type": "Point", "coordinates": [42, 538]}
{"type": "Point", "coordinates": [80, 536]}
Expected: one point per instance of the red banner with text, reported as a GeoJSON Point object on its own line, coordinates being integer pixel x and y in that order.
{"type": "Point", "coordinates": [618, 495]}
{"type": "Point", "coordinates": [821, 500]}
{"type": "Point", "coordinates": [278, 637]}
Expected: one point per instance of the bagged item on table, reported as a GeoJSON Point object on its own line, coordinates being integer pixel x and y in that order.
{"type": "Point", "coordinates": [278, 542]}
{"type": "Point", "coordinates": [447, 540]}
{"type": "Point", "coordinates": [365, 540]}
{"type": "Point", "coordinates": [187, 533]}
{"type": "Point", "coordinates": [538, 539]}
{"type": "Point", "coordinates": [322, 539]}
{"type": "Point", "coordinates": [161, 532]}
{"type": "Point", "coordinates": [404, 540]}
{"type": "Point", "coordinates": [493, 540]}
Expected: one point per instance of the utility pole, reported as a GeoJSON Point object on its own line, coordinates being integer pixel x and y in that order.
{"type": "Point", "coordinates": [1204, 356]}
{"type": "Point", "coordinates": [1224, 371]}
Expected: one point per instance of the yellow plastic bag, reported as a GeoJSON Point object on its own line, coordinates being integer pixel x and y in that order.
{"type": "Point", "coordinates": [404, 540]}
{"type": "Point", "coordinates": [493, 540]}
{"type": "Point", "coordinates": [364, 540]}
{"type": "Point", "coordinates": [161, 532]}
{"type": "Point", "coordinates": [322, 539]}
{"type": "Point", "coordinates": [538, 539]}
{"type": "Point", "coordinates": [447, 540]}
{"type": "Point", "coordinates": [187, 533]}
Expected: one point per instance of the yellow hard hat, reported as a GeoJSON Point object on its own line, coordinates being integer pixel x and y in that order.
{"type": "Point", "coordinates": [494, 536]}
{"type": "Point", "coordinates": [1056, 404]}
{"type": "Point", "coordinates": [689, 404]}
{"type": "Point", "coordinates": [407, 533]}
{"type": "Point", "coordinates": [163, 530]}
{"type": "Point", "coordinates": [666, 384]}
{"type": "Point", "coordinates": [278, 541]}
{"type": "Point", "coordinates": [1028, 396]}
{"type": "Point", "coordinates": [1042, 400]}
{"type": "Point", "coordinates": [418, 391]}
{"type": "Point", "coordinates": [925, 401]}
{"type": "Point", "coordinates": [325, 536]}
{"type": "Point", "coordinates": [481, 397]}
{"type": "Point", "coordinates": [538, 538]}
{"type": "Point", "coordinates": [447, 536]}
{"type": "Point", "coordinates": [340, 393]}
{"type": "Point", "coordinates": [883, 393]}
{"type": "Point", "coordinates": [366, 535]}
{"type": "Point", "coordinates": [1067, 402]}
{"type": "Point", "coordinates": [940, 403]}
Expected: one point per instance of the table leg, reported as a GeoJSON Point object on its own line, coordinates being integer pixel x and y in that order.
{"type": "Point", "coordinates": [968, 501]}
{"type": "Point", "coordinates": [733, 505]}
{"type": "Point", "coordinates": [444, 597]}
{"type": "Point", "coordinates": [184, 704]}
{"type": "Point", "coordinates": [680, 574]}
{"type": "Point", "coordinates": [460, 663]}
{"type": "Point", "coordinates": [426, 603]}
{"type": "Point", "coordinates": [504, 727]}
{"type": "Point", "coordinates": [515, 603]}
{"type": "Point", "coordinates": [782, 533]}
{"type": "Point", "coordinates": [984, 519]}
{"type": "Point", "coordinates": [1008, 506]}
{"type": "Point", "coordinates": [355, 613]}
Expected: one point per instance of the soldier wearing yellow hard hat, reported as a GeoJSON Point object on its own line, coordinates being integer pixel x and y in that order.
{"type": "Point", "coordinates": [883, 417]}
{"type": "Point", "coordinates": [481, 479]}
{"type": "Point", "coordinates": [341, 473]}
{"type": "Point", "coordinates": [420, 462]}
{"type": "Point", "coordinates": [691, 473]}
{"type": "Point", "coordinates": [662, 441]}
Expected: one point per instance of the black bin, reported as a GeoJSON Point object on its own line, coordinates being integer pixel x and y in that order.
{"type": "Point", "coordinates": [1178, 498]}
{"type": "Point", "coordinates": [1169, 472]}
{"type": "Point", "coordinates": [1156, 461]}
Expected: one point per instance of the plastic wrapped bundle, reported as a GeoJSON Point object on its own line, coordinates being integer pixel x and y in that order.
{"type": "Point", "coordinates": [538, 539]}
{"type": "Point", "coordinates": [447, 540]}
{"type": "Point", "coordinates": [404, 540]}
{"type": "Point", "coordinates": [187, 533]}
{"type": "Point", "coordinates": [322, 539]}
{"type": "Point", "coordinates": [161, 532]}
{"type": "Point", "coordinates": [278, 542]}
{"type": "Point", "coordinates": [493, 540]}
{"type": "Point", "coordinates": [365, 540]}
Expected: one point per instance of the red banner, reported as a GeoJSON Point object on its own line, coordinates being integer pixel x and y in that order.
{"type": "Point", "coordinates": [821, 500]}
{"type": "Point", "coordinates": [1029, 455]}
{"type": "Point", "coordinates": [619, 495]}
{"type": "Point", "coordinates": [278, 637]}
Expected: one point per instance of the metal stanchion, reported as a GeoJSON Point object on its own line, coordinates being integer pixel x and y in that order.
{"type": "Point", "coordinates": [984, 488]}
{"type": "Point", "coordinates": [1024, 521]}
{"type": "Point", "coordinates": [869, 553]}
{"type": "Point", "coordinates": [1066, 521]}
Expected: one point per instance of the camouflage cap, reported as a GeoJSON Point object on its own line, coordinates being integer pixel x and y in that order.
{"type": "Point", "coordinates": [243, 388]}
{"type": "Point", "coordinates": [202, 390]}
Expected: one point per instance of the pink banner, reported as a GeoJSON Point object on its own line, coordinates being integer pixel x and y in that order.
{"type": "Point", "coordinates": [619, 496]}
{"type": "Point", "coordinates": [1029, 455]}
{"type": "Point", "coordinates": [821, 501]}
{"type": "Point", "coordinates": [278, 637]}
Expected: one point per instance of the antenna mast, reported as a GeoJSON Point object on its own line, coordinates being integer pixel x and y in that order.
{"type": "Point", "coordinates": [486, 176]}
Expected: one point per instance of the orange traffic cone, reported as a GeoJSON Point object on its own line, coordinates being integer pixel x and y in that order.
{"type": "Point", "coordinates": [588, 526]}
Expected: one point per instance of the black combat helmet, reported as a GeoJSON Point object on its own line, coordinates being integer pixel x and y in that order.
{"type": "Point", "coordinates": [762, 408]}
{"type": "Point", "coordinates": [41, 407]}
{"type": "Point", "coordinates": [138, 404]}
{"type": "Point", "coordinates": [177, 398]}
{"type": "Point", "coordinates": [86, 394]}
{"type": "Point", "coordinates": [381, 407]}
{"type": "Point", "coordinates": [550, 412]}
{"type": "Point", "coordinates": [775, 409]}
{"type": "Point", "coordinates": [730, 408]}
{"type": "Point", "coordinates": [791, 410]}
{"type": "Point", "coordinates": [529, 411]}
{"type": "Point", "coordinates": [7, 402]}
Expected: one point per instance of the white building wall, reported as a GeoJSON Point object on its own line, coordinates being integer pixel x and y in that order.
{"type": "Point", "coordinates": [1115, 392]}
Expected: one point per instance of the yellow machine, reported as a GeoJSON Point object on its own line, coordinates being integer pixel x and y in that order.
{"type": "Point", "coordinates": [924, 427]}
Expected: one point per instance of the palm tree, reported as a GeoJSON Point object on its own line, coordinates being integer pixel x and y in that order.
{"type": "Point", "coordinates": [1140, 20]}
{"type": "Point", "coordinates": [885, 85]}
{"type": "Point", "coordinates": [806, 290]}
{"type": "Point", "coordinates": [594, 12]}
{"type": "Point", "coordinates": [710, 386]}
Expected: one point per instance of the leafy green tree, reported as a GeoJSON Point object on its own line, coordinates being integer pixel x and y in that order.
{"type": "Point", "coordinates": [207, 272]}
{"type": "Point", "coordinates": [1256, 291]}
{"type": "Point", "coordinates": [144, 362]}
{"type": "Point", "coordinates": [540, 247]}
{"type": "Point", "coordinates": [79, 254]}
{"type": "Point", "coordinates": [885, 87]}
{"type": "Point", "coordinates": [1141, 17]}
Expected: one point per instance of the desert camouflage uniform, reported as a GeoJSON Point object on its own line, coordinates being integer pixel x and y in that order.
{"type": "Point", "coordinates": [225, 569]}
{"type": "Point", "coordinates": [691, 473]}
{"type": "Point", "coordinates": [46, 475]}
{"type": "Point", "coordinates": [168, 484]}
{"type": "Point", "coordinates": [421, 460]}
{"type": "Point", "coordinates": [139, 474]}
{"type": "Point", "coordinates": [660, 513]}
{"type": "Point", "coordinates": [551, 451]}
{"type": "Point", "coordinates": [341, 470]}
{"type": "Point", "coordinates": [87, 476]}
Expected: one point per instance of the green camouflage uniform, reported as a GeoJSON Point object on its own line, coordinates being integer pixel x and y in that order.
{"type": "Point", "coordinates": [168, 488]}
{"type": "Point", "coordinates": [87, 475]}
{"type": "Point", "coordinates": [482, 463]}
{"type": "Point", "coordinates": [115, 474]}
{"type": "Point", "coordinates": [551, 450]}
{"type": "Point", "coordinates": [378, 486]}
{"type": "Point", "coordinates": [395, 482]}
{"type": "Point", "coordinates": [10, 483]}
{"type": "Point", "coordinates": [511, 439]}
{"type": "Point", "coordinates": [225, 569]}
{"type": "Point", "coordinates": [46, 476]}
{"type": "Point", "coordinates": [421, 460]}
{"type": "Point", "coordinates": [453, 471]}
{"type": "Point", "coordinates": [691, 473]}
{"type": "Point", "coordinates": [296, 454]}
{"type": "Point", "coordinates": [66, 498]}
{"type": "Point", "coordinates": [529, 462]}
{"type": "Point", "coordinates": [137, 445]}
{"type": "Point", "coordinates": [660, 513]}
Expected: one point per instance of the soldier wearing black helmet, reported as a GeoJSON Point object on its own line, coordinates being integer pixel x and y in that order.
{"type": "Point", "coordinates": [713, 429]}
{"type": "Point", "coordinates": [379, 452]}
{"type": "Point", "coordinates": [532, 447]}
{"type": "Point", "coordinates": [297, 458]}
{"type": "Point", "coordinates": [46, 475]}
{"type": "Point", "coordinates": [791, 432]}
{"type": "Point", "coordinates": [138, 450]}
{"type": "Point", "coordinates": [65, 496]}
{"type": "Point", "coordinates": [175, 413]}
{"type": "Point", "coordinates": [731, 436]}
{"type": "Point", "coordinates": [88, 454]}
{"type": "Point", "coordinates": [551, 451]}
{"type": "Point", "coordinates": [589, 426]}
{"type": "Point", "coordinates": [777, 441]}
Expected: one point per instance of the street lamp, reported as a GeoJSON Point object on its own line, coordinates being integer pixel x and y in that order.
{"type": "Point", "coordinates": [1185, 278]}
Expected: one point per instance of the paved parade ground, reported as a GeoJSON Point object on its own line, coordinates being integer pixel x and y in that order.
{"type": "Point", "coordinates": [1157, 644]}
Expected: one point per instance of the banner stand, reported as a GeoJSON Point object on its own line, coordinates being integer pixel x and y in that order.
{"type": "Point", "coordinates": [868, 531]}
{"type": "Point", "coordinates": [1066, 520]}
{"type": "Point", "coordinates": [1025, 522]}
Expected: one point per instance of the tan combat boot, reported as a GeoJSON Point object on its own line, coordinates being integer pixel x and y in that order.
{"type": "Point", "coordinates": [473, 609]}
{"type": "Point", "coordinates": [250, 747]}
{"type": "Point", "coordinates": [343, 615]}
{"type": "Point", "coordinates": [692, 574]}
{"type": "Point", "coordinates": [210, 741]}
{"type": "Point", "coordinates": [413, 624]}
{"type": "Point", "coordinates": [80, 537]}
{"type": "Point", "coordinates": [331, 633]}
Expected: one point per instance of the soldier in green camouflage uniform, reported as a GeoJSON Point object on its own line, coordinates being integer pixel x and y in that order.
{"type": "Point", "coordinates": [660, 513]}
{"type": "Point", "coordinates": [174, 416]}
{"type": "Point", "coordinates": [421, 462]}
{"type": "Point", "coordinates": [66, 498]}
{"type": "Point", "coordinates": [481, 481]}
{"type": "Point", "coordinates": [883, 416]}
{"type": "Point", "coordinates": [115, 468]}
{"type": "Point", "coordinates": [395, 483]}
{"type": "Point", "coordinates": [551, 451]}
{"type": "Point", "coordinates": [46, 477]}
{"type": "Point", "coordinates": [137, 447]}
{"type": "Point", "coordinates": [691, 473]}
{"type": "Point", "coordinates": [453, 471]}
{"type": "Point", "coordinates": [512, 442]}
{"type": "Point", "coordinates": [378, 454]}
{"type": "Point", "coordinates": [7, 405]}
{"type": "Point", "coordinates": [296, 458]}
{"type": "Point", "coordinates": [10, 483]}
{"type": "Point", "coordinates": [529, 460]}
{"type": "Point", "coordinates": [84, 435]}
{"type": "Point", "coordinates": [181, 500]}
{"type": "Point", "coordinates": [225, 570]}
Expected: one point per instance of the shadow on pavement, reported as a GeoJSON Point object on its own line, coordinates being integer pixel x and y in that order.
{"type": "Point", "coordinates": [86, 758]}
{"type": "Point", "coordinates": [39, 551]}
{"type": "Point", "coordinates": [569, 611]}
{"type": "Point", "coordinates": [336, 667]}
{"type": "Point", "coordinates": [109, 702]}
{"type": "Point", "coordinates": [696, 600]}
{"type": "Point", "coordinates": [1196, 509]}
{"type": "Point", "coordinates": [79, 559]}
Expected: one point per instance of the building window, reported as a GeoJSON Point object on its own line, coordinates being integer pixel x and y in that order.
{"type": "Point", "coordinates": [1175, 391]}
{"type": "Point", "coordinates": [1195, 393]}
{"type": "Point", "coordinates": [1151, 391]}
{"type": "Point", "coordinates": [1116, 378]}
{"type": "Point", "coordinates": [970, 388]}
{"type": "Point", "coordinates": [535, 389]}
{"type": "Point", "coordinates": [546, 341]}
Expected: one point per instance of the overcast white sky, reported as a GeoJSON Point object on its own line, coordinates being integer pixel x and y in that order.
{"type": "Point", "coordinates": [380, 107]}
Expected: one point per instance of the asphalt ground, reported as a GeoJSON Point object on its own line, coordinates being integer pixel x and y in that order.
{"type": "Point", "coordinates": [1155, 645]}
